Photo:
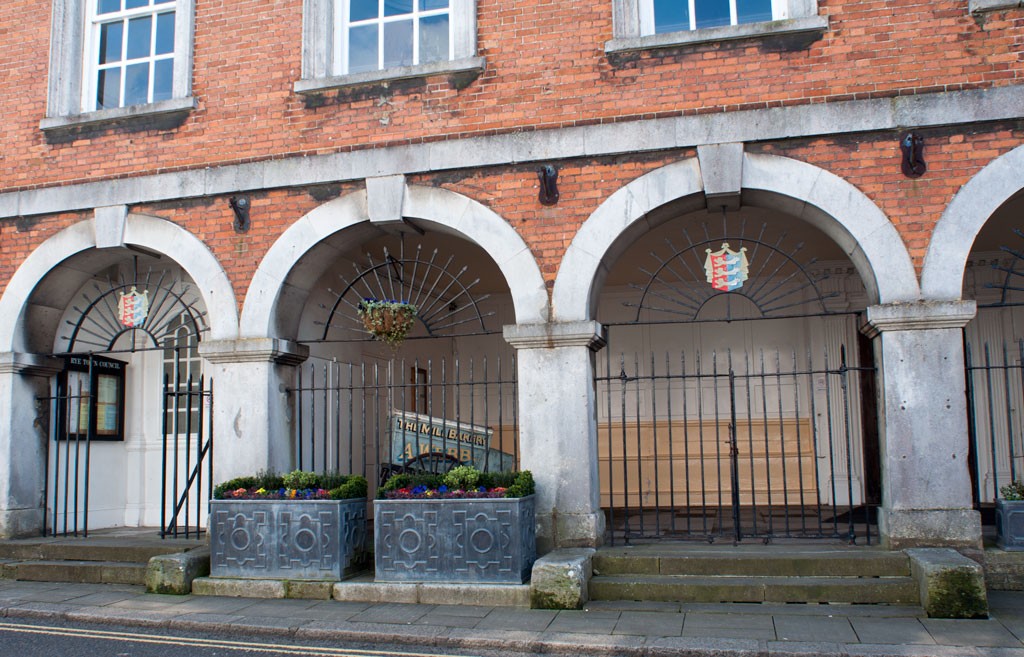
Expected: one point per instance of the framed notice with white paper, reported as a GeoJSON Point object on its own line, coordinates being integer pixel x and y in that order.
{"type": "Point", "coordinates": [91, 399]}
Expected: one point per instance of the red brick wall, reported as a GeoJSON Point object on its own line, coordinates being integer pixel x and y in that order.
{"type": "Point", "coordinates": [546, 67]}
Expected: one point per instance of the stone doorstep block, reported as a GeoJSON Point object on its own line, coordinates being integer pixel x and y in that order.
{"type": "Point", "coordinates": [951, 585]}
{"type": "Point", "coordinates": [561, 579]}
{"type": "Point", "coordinates": [174, 573]}
{"type": "Point", "coordinates": [1004, 571]}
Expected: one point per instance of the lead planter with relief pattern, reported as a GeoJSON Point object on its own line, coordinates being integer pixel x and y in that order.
{"type": "Point", "coordinates": [287, 539]}
{"type": "Point", "coordinates": [483, 541]}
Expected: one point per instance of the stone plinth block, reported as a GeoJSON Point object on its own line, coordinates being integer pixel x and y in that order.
{"type": "Point", "coordinates": [561, 578]}
{"type": "Point", "coordinates": [287, 539]}
{"type": "Point", "coordinates": [455, 540]}
{"type": "Point", "coordinates": [951, 585]}
{"type": "Point", "coordinates": [174, 573]}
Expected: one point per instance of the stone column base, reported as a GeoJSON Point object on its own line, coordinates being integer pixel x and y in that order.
{"type": "Point", "coordinates": [569, 530]}
{"type": "Point", "coordinates": [959, 529]}
{"type": "Point", "coordinates": [20, 523]}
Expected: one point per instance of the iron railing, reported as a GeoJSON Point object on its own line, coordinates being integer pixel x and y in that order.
{"type": "Point", "coordinates": [187, 456]}
{"type": "Point", "coordinates": [995, 398]}
{"type": "Point", "coordinates": [764, 445]}
{"type": "Point", "coordinates": [345, 414]}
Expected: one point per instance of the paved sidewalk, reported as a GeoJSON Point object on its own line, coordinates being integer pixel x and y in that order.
{"type": "Point", "coordinates": [626, 629]}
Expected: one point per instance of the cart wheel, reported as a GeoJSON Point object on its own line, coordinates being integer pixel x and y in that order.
{"type": "Point", "coordinates": [434, 463]}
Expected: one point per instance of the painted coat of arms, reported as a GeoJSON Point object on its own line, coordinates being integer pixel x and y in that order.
{"type": "Point", "coordinates": [726, 269]}
{"type": "Point", "coordinates": [133, 308]}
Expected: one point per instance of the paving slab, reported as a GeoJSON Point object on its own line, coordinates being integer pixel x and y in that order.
{"type": "Point", "coordinates": [729, 626]}
{"type": "Point", "coordinates": [448, 620]}
{"type": "Point", "coordinates": [793, 628]}
{"type": "Point", "coordinates": [970, 633]}
{"type": "Point", "coordinates": [891, 631]}
{"type": "Point", "coordinates": [109, 616]}
{"type": "Point", "coordinates": [589, 622]}
{"type": "Point", "coordinates": [673, 647]}
{"type": "Point", "coordinates": [649, 623]}
{"type": "Point", "coordinates": [267, 624]}
{"type": "Point", "coordinates": [392, 613]}
{"type": "Point", "coordinates": [535, 620]}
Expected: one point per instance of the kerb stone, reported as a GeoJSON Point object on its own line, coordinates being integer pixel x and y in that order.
{"type": "Point", "coordinates": [952, 586]}
{"type": "Point", "coordinates": [560, 579]}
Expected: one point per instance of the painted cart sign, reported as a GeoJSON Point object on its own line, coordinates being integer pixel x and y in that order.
{"type": "Point", "coordinates": [425, 442]}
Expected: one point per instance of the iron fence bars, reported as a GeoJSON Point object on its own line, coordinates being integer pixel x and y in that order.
{"type": "Point", "coordinates": [378, 417]}
{"type": "Point", "coordinates": [995, 397]}
{"type": "Point", "coordinates": [69, 452]}
{"type": "Point", "coordinates": [187, 452]}
{"type": "Point", "coordinates": [713, 445]}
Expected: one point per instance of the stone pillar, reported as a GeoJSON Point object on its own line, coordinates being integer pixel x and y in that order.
{"type": "Point", "coordinates": [558, 429]}
{"type": "Point", "coordinates": [252, 415]}
{"type": "Point", "coordinates": [926, 484]}
{"type": "Point", "coordinates": [24, 432]}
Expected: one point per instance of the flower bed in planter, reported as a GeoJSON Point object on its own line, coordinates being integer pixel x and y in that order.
{"type": "Point", "coordinates": [440, 533]}
{"type": "Point", "coordinates": [269, 532]}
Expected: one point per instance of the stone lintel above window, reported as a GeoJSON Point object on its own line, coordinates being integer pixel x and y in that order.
{"type": "Point", "coordinates": [471, 67]}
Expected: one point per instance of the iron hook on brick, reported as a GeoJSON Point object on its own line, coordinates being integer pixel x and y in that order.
{"type": "Point", "coordinates": [240, 206]}
{"type": "Point", "coordinates": [548, 176]}
{"type": "Point", "coordinates": [912, 145]}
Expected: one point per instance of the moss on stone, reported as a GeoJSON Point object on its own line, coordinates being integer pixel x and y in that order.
{"type": "Point", "coordinates": [957, 593]}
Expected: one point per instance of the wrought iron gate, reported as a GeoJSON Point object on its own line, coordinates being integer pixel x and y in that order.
{"type": "Point", "coordinates": [734, 446]}
{"type": "Point", "coordinates": [187, 456]}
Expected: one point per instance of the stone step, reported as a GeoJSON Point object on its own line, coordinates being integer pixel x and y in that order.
{"type": "Point", "coordinates": [684, 588]}
{"type": "Point", "coordinates": [92, 572]}
{"type": "Point", "coordinates": [91, 549]}
{"type": "Point", "coordinates": [826, 563]}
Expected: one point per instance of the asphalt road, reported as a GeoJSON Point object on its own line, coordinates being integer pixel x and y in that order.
{"type": "Point", "coordinates": [25, 638]}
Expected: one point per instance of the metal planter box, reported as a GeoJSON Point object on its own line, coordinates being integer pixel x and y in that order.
{"type": "Point", "coordinates": [1010, 525]}
{"type": "Point", "coordinates": [287, 539]}
{"type": "Point", "coordinates": [483, 541]}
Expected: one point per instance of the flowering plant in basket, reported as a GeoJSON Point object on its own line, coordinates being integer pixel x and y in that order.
{"type": "Point", "coordinates": [386, 320]}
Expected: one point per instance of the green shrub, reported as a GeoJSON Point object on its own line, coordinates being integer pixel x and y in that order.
{"type": "Point", "coordinates": [462, 477]}
{"type": "Point", "coordinates": [233, 484]}
{"type": "Point", "coordinates": [269, 480]}
{"type": "Point", "coordinates": [1013, 491]}
{"type": "Point", "coordinates": [300, 480]}
{"type": "Point", "coordinates": [350, 487]}
{"type": "Point", "coordinates": [522, 485]}
{"type": "Point", "coordinates": [410, 480]}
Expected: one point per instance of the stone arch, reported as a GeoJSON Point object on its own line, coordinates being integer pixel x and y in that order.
{"type": "Point", "coordinates": [958, 227]}
{"type": "Point", "coordinates": [151, 233]}
{"type": "Point", "coordinates": [445, 210]}
{"type": "Point", "coordinates": [805, 191]}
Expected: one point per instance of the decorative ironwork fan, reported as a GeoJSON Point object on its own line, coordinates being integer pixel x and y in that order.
{"type": "Point", "coordinates": [156, 306]}
{"type": "Point", "coordinates": [444, 304]}
{"type": "Point", "coordinates": [761, 269]}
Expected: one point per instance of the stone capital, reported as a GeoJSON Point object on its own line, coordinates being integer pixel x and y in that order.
{"type": "Point", "coordinates": [587, 334]}
{"type": "Point", "coordinates": [254, 350]}
{"type": "Point", "coordinates": [917, 316]}
{"type": "Point", "coordinates": [12, 362]}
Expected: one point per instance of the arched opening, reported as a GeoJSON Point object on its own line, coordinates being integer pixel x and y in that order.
{"type": "Point", "coordinates": [994, 353]}
{"type": "Point", "coordinates": [446, 392]}
{"type": "Point", "coordinates": [734, 397]}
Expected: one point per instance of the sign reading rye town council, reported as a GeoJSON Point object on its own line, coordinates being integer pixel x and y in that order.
{"type": "Point", "coordinates": [415, 437]}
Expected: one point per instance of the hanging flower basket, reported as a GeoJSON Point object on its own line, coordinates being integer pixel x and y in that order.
{"type": "Point", "coordinates": [387, 321]}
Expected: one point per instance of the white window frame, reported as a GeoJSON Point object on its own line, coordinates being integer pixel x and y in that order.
{"type": "Point", "coordinates": [324, 48]}
{"type": "Point", "coordinates": [341, 32]}
{"type": "Point", "coordinates": [70, 66]}
{"type": "Point", "coordinates": [633, 22]}
{"type": "Point", "coordinates": [780, 11]}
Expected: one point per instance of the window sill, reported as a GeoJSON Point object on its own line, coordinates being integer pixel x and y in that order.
{"type": "Point", "coordinates": [818, 24]}
{"type": "Point", "coordinates": [977, 6]}
{"type": "Point", "coordinates": [175, 108]}
{"type": "Point", "coordinates": [473, 65]}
